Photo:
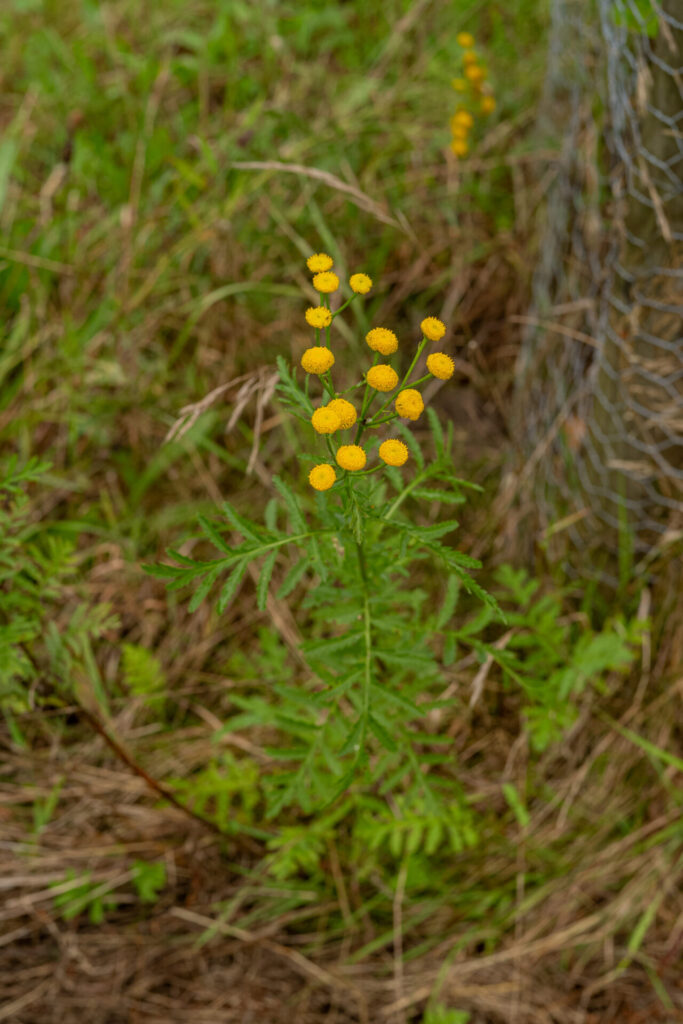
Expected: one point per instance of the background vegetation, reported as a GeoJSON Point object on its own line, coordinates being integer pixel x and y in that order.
{"type": "Point", "coordinates": [152, 252]}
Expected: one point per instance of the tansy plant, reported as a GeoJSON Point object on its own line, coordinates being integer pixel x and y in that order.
{"type": "Point", "coordinates": [356, 549]}
{"type": "Point", "coordinates": [477, 98]}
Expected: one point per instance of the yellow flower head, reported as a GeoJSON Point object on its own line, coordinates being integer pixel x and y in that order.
{"type": "Point", "coordinates": [459, 84]}
{"type": "Point", "coordinates": [351, 456]}
{"type": "Point", "coordinates": [475, 73]}
{"type": "Point", "coordinates": [382, 377]}
{"type": "Point", "coordinates": [394, 453]}
{"type": "Point", "coordinates": [322, 477]}
{"type": "Point", "coordinates": [325, 420]}
{"type": "Point", "coordinates": [459, 146]}
{"type": "Point", "coordinates": [433, 329]}
{"type": "Point", "coordinates": [409, 404]}
{"type": "Point", "coordinates": [462, 118]}
{"type": "Point", "coordinates": [326, 282]}
{"type": "Point", "coordinates": [465, 38]}
{"type": "Point", "coordinates": [440, 365]}
{"type": "Point", "coordinates": [317, 359]}
{"type": "Point", "coordinates": [344, 410]}
{"type": "Point", "coordinates": [320, 261]}
{"type": "Point", "coordinates": [318, 316]}
{"type": "Point", "coordinates": [360, 283]}
{"type": "Point", "coordinates": [469, 57]}
{"type": "Point", "coordinates": [488, 104]}
{"type": "Point", "coordinates": [381, 339]}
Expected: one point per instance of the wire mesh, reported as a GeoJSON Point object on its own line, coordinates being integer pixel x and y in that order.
{"type": "Point", "coordinates": [600, 374]}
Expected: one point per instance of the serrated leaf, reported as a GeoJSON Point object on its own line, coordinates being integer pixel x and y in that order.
{"type": "Point", "coordinates": [354, 737]}
{"type": "Point", "coordinates": [382, 734]}
{"type": "Point", "coordinates": [449, 603]}
{"type": "Point", "coordinates": [264, 579]}
{"type": "Point", "coordinates": [296, 515]}
{"type": "Point", "coordinates": [437, 431]}
{"type": "Point", "coordinates": [316, 648]}
{"type": "Point", "coordinates": [433, 494]}
{"type": "Point", "coordinates": [270, 515]}
{"type": "Point", "coordinates": [450, 649]}
{"type": "Point", "coordinates": [398, 699]}
{"type": "Point", "coordinates": [317, 558]}
{"type": "Point", "coordinates": [414, 838]}
{"type": "Point", "coordinates": [231, 584]}
{"type": "Point", "coordinates": [294, 575]}
{"type": "Point", "coordinates": [204, 588]}
{"type": "Point", "coordinates": [214, 536]}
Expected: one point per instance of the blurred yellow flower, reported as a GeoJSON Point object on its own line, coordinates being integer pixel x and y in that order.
{"type": "Point", "coordinates": [394, 453]}
{"type": "Point", "coordinates": [317, 359]}
{"type": "Point", "coordinates": [318, 316]}
{"type": "Point", "coordinates": [322, 477]}
{"type": "Point", "coordinates": [320, 261]}
{"type": "Point", "coordinates": [469, 57]}
{"type": "Point", "coordinates": [381, 339]}
{"type": "Point", "coordinates": [462, 118]}
{"type": "Point", "coordinates": [351, 456]}
{"type": "Point", "coordinates": [475, 73]}
{"type": "Point", "coordinates": [409, 404]}
{"type": "Point", "coordinates": [433, 328]}
{"type": "Point", "coordinates": [345, 411]}
{"type": "Point", "coordinates": [440, 365]}
{"type": "Point", "coordinates": [360, 283]}
{"type": "Point", "coordinates": [459, 84]}
{"type": "Point", "coordinates": [326, 282]}
{"type": "Point", "coordinates": [488, 104]}
{"type": "Point", "coordinates": [325, 420]}
{"type": "Point", "coordinates": [382, 377]}
{"type": "Point", "coordinates": [465, 38]}
{"type": "Point", "coordinates": [459, 147]}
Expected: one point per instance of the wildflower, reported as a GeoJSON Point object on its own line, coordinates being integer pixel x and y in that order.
{"type": "Point", "coordinates": [381, 339]}
{"type": "Point", "coordinates": [459, 84]}
{"type": "Point", "coordinates": [465, 38]}
{"type": "Point", "coordinates": [318, 316]}
{"type": "Point", "coordinates": [322, 477]}
{"type": "Point", "coordinates": [488, 104]}
{"type": "Point", "coordinates": [344, 410]}
{"type": "Point", "coordinates": [469, 57]}
{"type": "Point", "coordinates": [475, 73]}
{"type": "Point", "coordinates": [382, 377]}
{"type": "Point", "coordinates": [440, 365]}
{"type": "Point", "coordinates": [459, 147]}
{"type": "Point", "coordinates": [463, 118]}
{"type": "Point", "coordinates": [326, 282]}
{"type": "Point", "coordinates": [360, 283]}
{"type": "Point", "coordinates": [319, 262]}
{"type": "Point", "coordinates": [393, 452]}
{"type": "Point", "coordinates": [326, 420]}
{"type": "Point", "coordinates": [351, 456]}
{"type": "Point", "coordinates": [409, 404]}
{"type": "Point", "coordinates": [317, 359]}
{"type": "Point", "coordinates": [432, 328]}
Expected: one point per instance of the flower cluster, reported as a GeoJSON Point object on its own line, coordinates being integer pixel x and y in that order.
{"type": "Point", "coordinates": [477, 95]}
{"type": "Point", "coordinates": [335, 413]}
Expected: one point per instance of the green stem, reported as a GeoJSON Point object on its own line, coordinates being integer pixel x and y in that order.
{"type": "Point", "coordinates": [342, 308]}
{"type": "Point", "coordinates": [368, 396]}
{"type": "Point", "coordinates": [367, 632]}
{"type": "Point", "coordinates": [402, 387]}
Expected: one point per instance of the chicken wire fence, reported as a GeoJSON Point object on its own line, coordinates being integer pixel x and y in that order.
{"type": "Point", "coordinates": [600, 373]}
